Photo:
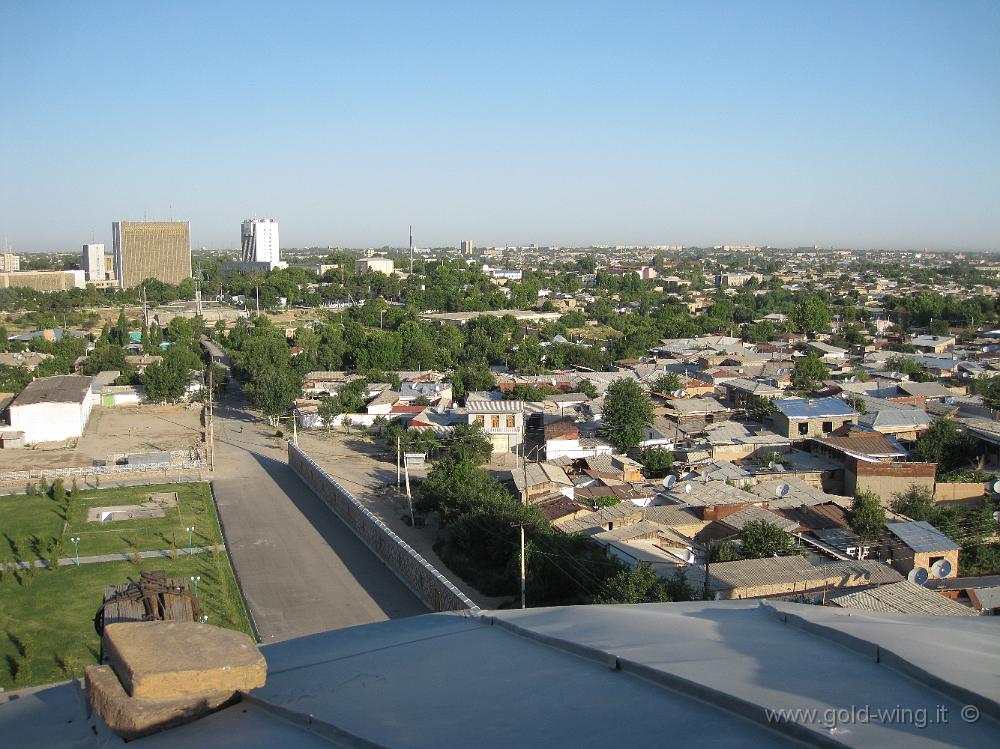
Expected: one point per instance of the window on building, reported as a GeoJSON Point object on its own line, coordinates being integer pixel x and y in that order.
{"type": "Point", "coordinates": [495, 422]}
{"type": "Point", "coordinates": [804, 427]}
{"type": "Point", "coordinates": [827, 426]}
{"type": "Point", "coordinates": [510, 421]}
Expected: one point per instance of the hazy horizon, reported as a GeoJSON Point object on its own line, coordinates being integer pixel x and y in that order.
{"type": "Point", "coordinates": [778, 123]}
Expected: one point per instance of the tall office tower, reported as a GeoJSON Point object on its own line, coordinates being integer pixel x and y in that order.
{"type": "Point", "coordinates": [259, 242]}
{"type": "Point", "coordinates": [466, 246]}
{"type": "Point", "coordinates": [151, 249]}
{"type": "Point", "coordinates": [93, 262]}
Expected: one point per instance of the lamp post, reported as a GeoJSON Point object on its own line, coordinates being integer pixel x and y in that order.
{"type": "Point", "coordinates": [196, 579]}
{"type": "Point", "coordinates": [190, 531]}
{"type": "Point", "coordinates": [76, 543]}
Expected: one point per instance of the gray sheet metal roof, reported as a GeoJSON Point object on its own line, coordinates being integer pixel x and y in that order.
{"type": "Point", "coordinates": [921, 536]}
{"type": "Point", "coordinates": [707, 672]}
{"type": "Point", "coordinates": [813, 408]}
{"type": "Point", "coordinates": [58, 389]}
{"type": "Point", "coordinates": [902, 598]}
{"type": "Point", "coordinates": [749, 514]}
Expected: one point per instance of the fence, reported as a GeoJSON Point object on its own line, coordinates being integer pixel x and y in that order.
{"type": "Point", "coordinates": [36, 474]}
{"type": "Point", "coordinates": [419, 575]}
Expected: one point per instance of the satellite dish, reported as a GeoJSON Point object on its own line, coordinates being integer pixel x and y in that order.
{"type": "Point", "coordinates": [678, 393]}
{"type": "Point", "coordinates": [687, 488]}
{"type": "Point", "coordinates": [996, 488]}
{"type": "Point", "coordinates": [687, 555]}
{"type": "Point", "coordinates": [782, 490]}
{"type": "Point", "coordinates": [917, 575]}
{"type": "Point", "coordinates": [941, 568]}
{"type": "Point", "coordinates": [996, 516]}
{"type": "Point", "coordinates": [669, 481]}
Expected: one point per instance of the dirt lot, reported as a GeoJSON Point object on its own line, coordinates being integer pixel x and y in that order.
{"type": "Point", "coordinates": [130, 429]}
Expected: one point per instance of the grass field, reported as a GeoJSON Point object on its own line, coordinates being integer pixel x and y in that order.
{"type": "Point", "coordinates": [46, 615]}
{"type": "Point", "coordinates": [46, 619]}
{"type": "Point", "coordinates": [38, 526]}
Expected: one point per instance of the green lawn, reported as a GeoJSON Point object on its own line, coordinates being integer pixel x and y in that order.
{"type": "Point", "coordinates": [46, 618]}
{"type": "Point", "coordinates": [35, 527]}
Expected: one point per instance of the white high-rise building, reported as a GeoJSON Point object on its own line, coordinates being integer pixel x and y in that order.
{"type": "Point", "coordinates": [93, 262]}
{"type": "Point", "coordinates": [259, 242]}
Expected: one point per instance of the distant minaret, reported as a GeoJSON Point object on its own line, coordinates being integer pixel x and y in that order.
{"type": "Point", "coordinates": [411, 248]}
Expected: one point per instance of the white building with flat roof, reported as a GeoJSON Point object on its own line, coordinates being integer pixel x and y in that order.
{"type": "Point", "coordinates": [259, 243]}
{"type": "Point", "coordinates": [93, 262]}
{"type": "Point", "coordinates": [52, 409]}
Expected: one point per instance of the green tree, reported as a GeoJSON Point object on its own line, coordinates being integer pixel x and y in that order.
{"type": "Point", "coordinates": [989, 389]}
{"type": "Point", "coordinates": [639, 584]}
{"type": "Point", "coordinates": [917, 502]}
{"type": "Point", "coordinates": [761, 408]}
{"type": "Point", "coordinates": [627, 413]}
{"type": "Point", "coordinates": [587, 387]}
{"type": "Point", "coordinates": [811, 315]}
{"type": "Point", "coordinates": [469, 443]}
{"type": "Point", "coordinates": [760, 539]}
{"type": "Point", "coordinates": [657, 462]}
{"type": "Point", "coordinates": [809, 372]}
{"type": "Point", "coordinates": [275, 395]}
{"type": "Point", "coordinates": [945, 444]}
{"type": "Point", "coordinates": [867, 517]}
{"type": "Point", "coordinates": [667, 383]}
{"type": "Point", "coordinates": [723, 552]}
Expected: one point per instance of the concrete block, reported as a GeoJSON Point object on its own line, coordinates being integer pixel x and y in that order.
{"type": "Point", "coordinates": [132, 717]}
{"type": "Point", "coordinates": [166, 660]}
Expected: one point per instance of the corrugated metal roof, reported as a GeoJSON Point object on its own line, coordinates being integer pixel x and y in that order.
{"type": "Point", "coordinates": [921, 536]}
{"type": "Point", "coordinates": [863, 443]}
{"type": "Point", "coordinates": [750, 514]}
{"type": "Point", "coordinates": [903, 597]}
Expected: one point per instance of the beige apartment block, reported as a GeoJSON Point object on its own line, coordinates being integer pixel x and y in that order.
{"type": "Point", "coordinates": [151, 249]}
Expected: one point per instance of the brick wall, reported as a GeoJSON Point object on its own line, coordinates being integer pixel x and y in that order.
{"type": "Point", "coordinates": [429, 585]}
{"type": "Point", "coordinates": [886, 479]}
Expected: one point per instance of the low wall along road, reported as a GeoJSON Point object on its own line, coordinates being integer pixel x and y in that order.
{"type": "Point", "coordinates": [429, 585]}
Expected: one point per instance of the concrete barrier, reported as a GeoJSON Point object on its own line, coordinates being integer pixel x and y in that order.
{"type": "Point", "coordinates": [419, 575]}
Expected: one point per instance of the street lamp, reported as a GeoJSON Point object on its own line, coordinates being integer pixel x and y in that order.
{"type": "Point", "coordinates": [196, 579]}
{"type": "Point", "coordinates": [380, 314]}
{"type": "Point", "coordinates": [190, 531]}
{"type": "Point", "coordinates": [76, 543]}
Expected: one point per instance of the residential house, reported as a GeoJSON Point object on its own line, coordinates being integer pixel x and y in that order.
{"type": "Point", "coordinates": [800, 418]}
{"type": "Point", "coordinates": [918, 545]}
{"type": "Point", "coordinates": [502, 421]}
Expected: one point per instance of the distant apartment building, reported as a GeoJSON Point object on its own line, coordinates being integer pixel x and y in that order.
{"type": "Point", "coordinates": [645, 272]}
{"type": "Point", "coordinates": [737, 279]}
{"type": "Point", "coordinates": [151, 249]}
{"type": "Point", "coordinates": [96, 263]}
{"type": "Point", "coordinates": [466, 247]}
{"type": "Point", "coordinates": [259, 243]}
{"type": "Point", "coordinates": [43, 280]}
{"type": "Point", "coordinates": [503, 274]}
{"type": "Point", "coordinates": [9, 262]}
{"type": "Point", "coordinates": [377, 264]}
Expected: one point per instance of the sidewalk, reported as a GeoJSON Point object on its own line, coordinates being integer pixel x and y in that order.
{"type": "Point", "coordinates": [120, 557]}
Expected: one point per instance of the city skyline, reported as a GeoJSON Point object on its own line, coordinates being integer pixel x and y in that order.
{"type": "Point", "coordinates": [564, 125]}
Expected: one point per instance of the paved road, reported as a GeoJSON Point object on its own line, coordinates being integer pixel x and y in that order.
{"type": "Point", "coordinates": [302, 570]}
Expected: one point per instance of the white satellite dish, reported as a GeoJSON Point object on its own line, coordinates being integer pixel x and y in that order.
{"type": "Point", "coordinates": [687, 555]}
{"type": "Point", "coordinates": [678, 393]}
{"type": "Point", "coordinates": [687, 488]}
{"type": "Point", "coordinates": [996, 516]}
{"type": "Point", "coordinates": [782, 490]}
{"type": "Point", "coordinates": [918, 575]}
{"type": "Point", "coordinates": [996, 487]}
{"type": "Point", "coordinates": [669, 481]}
{"type": "Point", "coordinates": [941, 568]}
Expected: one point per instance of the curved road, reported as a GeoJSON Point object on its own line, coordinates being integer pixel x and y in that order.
{"type": "Point", "coordinates": [302, 570]}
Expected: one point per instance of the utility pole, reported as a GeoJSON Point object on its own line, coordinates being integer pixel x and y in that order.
{"type": "Point", "coordinates": [256, 290]}
{"type": "Point", "coordinates": [521, 526]}
{"type": "Point", "coordinates": [397, 462]}
{"type": "Point", "coordinates": [411, 248]}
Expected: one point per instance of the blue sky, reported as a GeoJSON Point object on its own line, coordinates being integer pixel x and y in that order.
{"type": "Point", "coordinates": [784, 123]}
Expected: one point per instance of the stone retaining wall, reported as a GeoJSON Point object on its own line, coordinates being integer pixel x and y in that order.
{"type": "Point", "coordinates": [419, 575]}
